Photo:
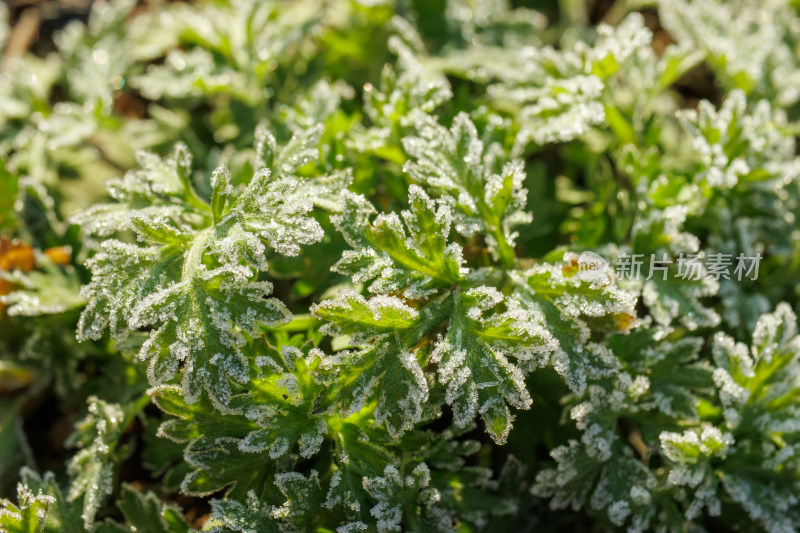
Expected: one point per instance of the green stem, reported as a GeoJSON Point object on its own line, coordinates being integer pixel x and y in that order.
{"type": "Point", "coordinates": [188, 192]}
{"type": "Point", "coordinates": [195, 255]}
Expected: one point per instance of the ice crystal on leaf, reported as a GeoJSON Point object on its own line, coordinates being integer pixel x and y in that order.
{"type": "Point", "coordinates": [386, 367]}
{"type": "Point", "coordinates": [303, 496]}
{"type": "Point", "coordinates": [389, 513]}
{"type": "Point", "coordinates": [747, 44]}
{"type": "Point", "coordinates": [478, 219]}
{"type": "Point", "coordinates": [566, 297]}
{"type": "Point", "coordinates": [675, 372]}
{"type": "Point", "coordinates": [284, 403]}
{"type": "Point", "coordinates": [192, 275]}
{"type": "Point", "coordinates": [93, 468]}
{"type": "Point", "coordinates": [212, 450]}
{"type": "Point", "coordinates": [620, 488]}
{"type": "Point", "coordinates": [489, 196]}
{"type": "Point", "coordinates": [28, 515]}
{"type": "Point", "coordinates": [473, 359]}
{"type": "Point", "coordinates": [560, 94]}
{"type": "Point", "coordinates": [226, 48]}
{"type": "Point", "coordinates": [275, 415]}
{"type": "Point", "coordinates": [409, 253]}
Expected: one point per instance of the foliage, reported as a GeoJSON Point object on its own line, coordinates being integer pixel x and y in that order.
{"type": "Point", "coordinates": [371, 266]}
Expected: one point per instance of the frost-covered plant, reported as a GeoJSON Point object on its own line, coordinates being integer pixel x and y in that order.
{"type": "Point", "coordinates": [371, 266]}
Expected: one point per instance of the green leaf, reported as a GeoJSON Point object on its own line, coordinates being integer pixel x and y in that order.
{"type": "Point", "coordinates": [204, 324]}
{"type": "Point", "coordinates": [473, 362]}
{"type": "Point", "coordinates": [567, 294]}
{"type": "Point", "coordinates": [284, 403]}
{"type": "Point", "coordinates": [411, 255]}
{"type": "Point", "coordinates": [386, 369]}
{"type": "Point", "coordinates": [145, 512]}
{"type": "Point", "coordinates": [675, 371]}
{"type": "Point", "coordinates": [92, 469]}
{"type": "Point", "coordinates": [212, 450]}
{"type": "Point", "coordinates": [489, 196]}
{"type": "Point", "coordinates": [29, 515]}
{"type": "Point", "coordinates": [192, 282]}
{"type": "Point", "coordinates": [300, 511]}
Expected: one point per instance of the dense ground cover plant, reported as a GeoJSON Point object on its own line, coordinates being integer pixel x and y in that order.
{"type": "Point", "coordinates": [400, 266]}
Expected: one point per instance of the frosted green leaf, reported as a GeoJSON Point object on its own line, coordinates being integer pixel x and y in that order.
{"type": "Point", "coordinates": [404, 91]}
{"type": "Point", "coordinates": [608, 470]}
{"type": "Point", "coordinates": [192, 277]}
{"type": "Point", "coordinates": [272, 210]}
{"type": "Point", "coordinates": [771, 506]}
{"type": "Point", "coordinates": [675, 294]}
{"type": "Point", "coordinates": [393, 487]}
{"type": "Point", "coordinates": [158, 190]}
{"type": "Point", "coordinates": [61, 515]}
{"type": "Point", "coordinates": [691, 454]}
{"type": "Point", "coordinates": [736, 145]}
{"type": "Point", "coordinates": [303, 148]}
{"type": "Point", "coordinates": [351, 314]}
{"type": "Point", "coordinates": [48, 291]}
{"type": "Point", "coordinates": [234, 516]}
{"type": "Point", "coordinates": [619, 488]}
{"type": "Point", "coordinates": [92, 469]}
{"type": "Point", "coordinates": [363, 449]}
{"type": "Point", "coordinates": [567, 294]}
{"type": "Point", "coordinates": [560, 94]}
{"type": "Point", "coordinates": [411, 254]}
{"type": "Point", "coordinates": [754, 461]}
{"type": "Point", "coordinates": [28, 515]}
{"type": "Point", "coordinates": [386, 369]}
{"type": "Point", "coordinates": [489, 196]}
{"type": "Point", "coordinates": [145, 512]}
{"type": "Point", "coordinates": [473, 359]}
{"type": "Point", "coordinates": [213, 439]}
{"type": "Point", "coordinates": [276, 415]}
{"type": "Point", "coordinates": [284, 403]}
{"type": "Point", "coordinates": [748, 170]}
{"type": "Point", "coordinates": [691, 446]}
{"type": "Point", "coordinates": [321, 102]}
{"type": "Point", "coordinates": [299, 512]}
{"type": "Point", "coordinates": [363, 494]}
{"type": "Point", "coordinates": [756, 385]}
{"type": "Point", "coordinates": [675, 372]}
{"type": "Point", "coordinates": [748, 44]}
{"type": "Point", "coordinates": [202, 321]}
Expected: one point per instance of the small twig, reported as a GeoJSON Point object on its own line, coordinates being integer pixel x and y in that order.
{"type": "Point", "coordinates": [23, 34]}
